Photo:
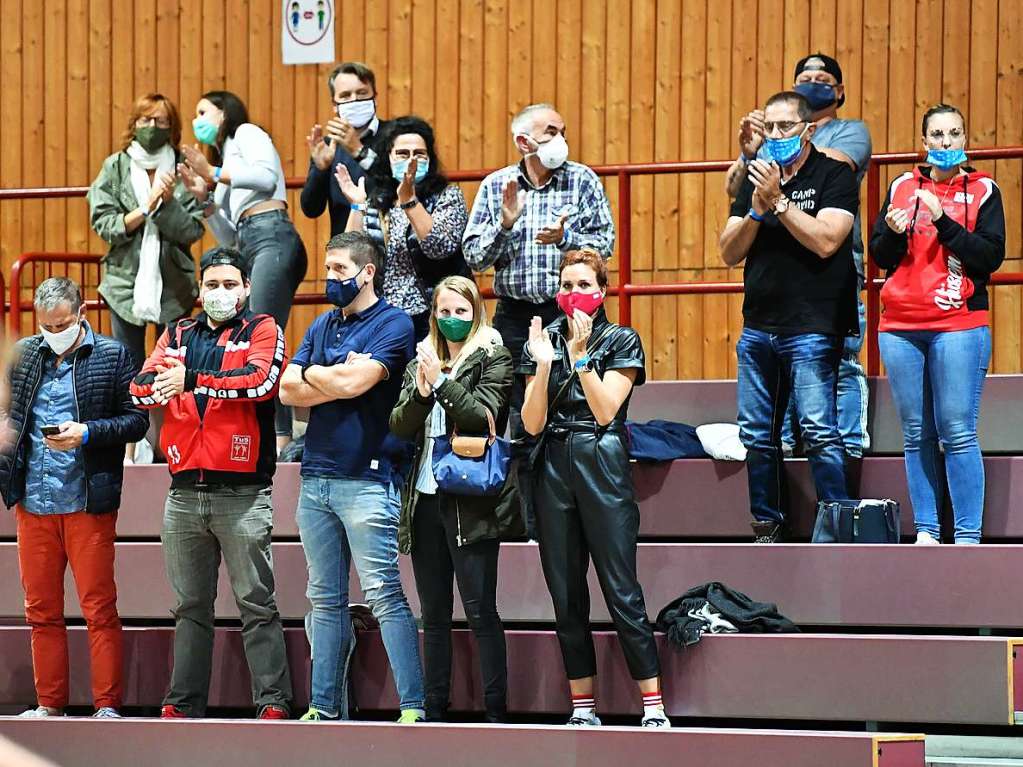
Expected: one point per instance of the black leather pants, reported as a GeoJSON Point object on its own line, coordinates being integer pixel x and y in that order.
{"type": "Point", "coordinates": [585, 509]}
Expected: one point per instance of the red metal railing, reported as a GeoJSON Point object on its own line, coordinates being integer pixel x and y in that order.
{"type": "Point", "coordinates": [626, 289]}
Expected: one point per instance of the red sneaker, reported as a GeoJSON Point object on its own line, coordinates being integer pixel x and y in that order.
{"type": "Point", "coordinates": [172, 712]}
{"type": "Point", "coordinates": [273, 712]}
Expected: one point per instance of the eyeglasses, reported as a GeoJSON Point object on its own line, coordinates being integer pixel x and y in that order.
{"type": "Point", "coordinates": [781, 126]}
{"type": "Point", "coordinates": [146, 121]}
{"type": "Point", "coordinates": [940, 135]}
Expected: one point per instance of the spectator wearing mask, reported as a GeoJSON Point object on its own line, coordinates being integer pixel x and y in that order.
{"type": "Point", "coordinates": [348, 371]}
{"type": "Point", "coordinates": [215, 376]}
{"type": "Point", "coordinates": [940, 235]}
{"type": "Point", "coordinates": [148, 219]}
{"type": "Point", "coordinates": [458, 383]}
{"type": "Point", "coordinates": [414, 211]}
{"type": "Point", "coordinates": [349, 139]}
{"type": "Point", "coordinates": [241, 189]}
{"type": "Point", "coordinates": [524, 219]}
{"type": "Point", "coordinates": [580, 372]}
{"type": "Point", "coordinates": [819, 79]}
{"type": "Point", "coordinates": [70, 417]}
{"type": "Point", "coordinates": [792, 225]}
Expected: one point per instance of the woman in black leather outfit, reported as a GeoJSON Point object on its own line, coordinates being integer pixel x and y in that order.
{"type": "Point", "coordinates": [580, 371]}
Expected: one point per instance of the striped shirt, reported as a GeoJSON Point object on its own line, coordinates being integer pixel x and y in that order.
{"type": "Point", "coordinates": [524, 269]}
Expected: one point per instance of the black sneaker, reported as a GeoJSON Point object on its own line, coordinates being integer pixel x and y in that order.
{"type": "Point", "coordinates": [766, 532]}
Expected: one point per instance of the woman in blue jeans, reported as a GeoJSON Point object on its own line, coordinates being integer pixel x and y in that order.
{"type": "Point", "coordinates": [240, 184]}
{"type": "Point", "coordinates": [940, 235]}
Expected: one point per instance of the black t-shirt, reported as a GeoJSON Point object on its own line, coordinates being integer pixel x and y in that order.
{"type": "Point", "coordinates": [789, 288]}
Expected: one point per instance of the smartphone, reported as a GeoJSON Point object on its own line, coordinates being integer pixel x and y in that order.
{"type": "Point", "coordinates": [51, 431]}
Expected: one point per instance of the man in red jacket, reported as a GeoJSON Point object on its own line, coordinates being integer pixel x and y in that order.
{"type": "Point", "coordinates": [216, 376]}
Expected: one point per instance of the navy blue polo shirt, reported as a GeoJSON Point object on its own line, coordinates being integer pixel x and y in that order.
{"type": "Point", "coordinates": [350, 438]}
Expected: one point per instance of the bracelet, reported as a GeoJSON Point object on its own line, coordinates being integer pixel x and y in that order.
{"type": "Point", "coordinates": [409, 205]}
{"type": "Point", "coordinates": [755, 216]}
{"type": "Point", "coordinates": [304, 369]}
{"type": "Point", "coordinates": [582, 363]}
{"type": "Point", "coordinates": [216, 174]}
{"type": "Point", "coordinates": [358, 207]}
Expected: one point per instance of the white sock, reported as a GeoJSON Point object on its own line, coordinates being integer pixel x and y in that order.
{"type": "Point", "coordinates": [583, 706]}
{"type": "Point", "coordinates": [653, 705]}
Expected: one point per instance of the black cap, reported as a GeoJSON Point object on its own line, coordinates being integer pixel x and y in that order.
{"type": "Point", "coordinates": [221, 256]}
{"type": "Point", "coordinates": [818, 62]}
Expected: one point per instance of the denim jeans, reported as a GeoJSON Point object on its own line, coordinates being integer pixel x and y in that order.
{"type": "Point", "coordinates": [198, 528]}
{"type": "Point", "coordinates": [852, 398]}
{"type": "Point", "coordinates": [770, 367]}
{"type": "Point", "coordinates": [341, 521]}
{"type": "Point", "coordinates": [277, 266]}
{"type": "Point", "coordinates": [936, 380]}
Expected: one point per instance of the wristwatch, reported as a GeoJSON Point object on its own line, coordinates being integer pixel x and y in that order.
{"type": "Point", "coordinates": [781, 205]}
{"type": "Point", "coordinates": [361, 154]}
{"type": "Point", "coordinates": [409, 205]}
{"type": "Point", "coordinates": [584, 365]}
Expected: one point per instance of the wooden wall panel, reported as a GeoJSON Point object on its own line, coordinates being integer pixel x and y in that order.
{"type": "Point", "coordinates": [636, 81]}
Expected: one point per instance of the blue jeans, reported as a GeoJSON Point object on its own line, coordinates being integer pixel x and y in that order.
{"type": "Point", "coordinates": [770, 367]}
{"type": "Point", "coordinates": [341, 521]}
{"type": "Point", "coordinates": [936, 380]}
{"type": "Point", "coordinates": [852, 398]}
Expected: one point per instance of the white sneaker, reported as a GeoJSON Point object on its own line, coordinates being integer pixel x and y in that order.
{"type": "Point", "coordinates": [926, 539]}
{"type": "Point", "coordinates": [657, 720]}
{"type": "Point", "coordinates": [579, 721]}
{"type": "Point", "coordinates": [40, 712]}
{"type": "Point", "coordinates": [106, 713]}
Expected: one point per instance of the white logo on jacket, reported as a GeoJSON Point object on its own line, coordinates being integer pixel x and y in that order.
{"type": "Point", "coordinates": [950, 295]}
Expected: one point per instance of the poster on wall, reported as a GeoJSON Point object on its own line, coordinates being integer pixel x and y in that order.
{"type": "Point", "coordinates": [307, 31]}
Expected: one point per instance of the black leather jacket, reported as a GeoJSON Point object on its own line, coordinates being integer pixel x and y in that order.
{"type": "Point", "coordinates": [101, 376]}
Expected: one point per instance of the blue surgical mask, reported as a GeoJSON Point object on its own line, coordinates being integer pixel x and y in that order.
{"type": "Point", "coordinates": [785, 151]}
{"type": "Point", "coordinates": [820, 95]}
{"type": "Point", "coordinates": [398, 169]}
{"type": "Point", "coordinates": [205, 131]}
{"type": "Point", "coordinates": [343, 292]}
{"type": "Point", "coordinates": [946, 159]}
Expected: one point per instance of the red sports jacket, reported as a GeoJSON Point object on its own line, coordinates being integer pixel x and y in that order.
{"type": "Point", "coordinates": [220, 430]}
{"type": "Point", "coordinates": [938, 270]}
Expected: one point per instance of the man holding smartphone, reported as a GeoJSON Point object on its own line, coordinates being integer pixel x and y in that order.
{"type": "Point", "coordinates": [71, 416]}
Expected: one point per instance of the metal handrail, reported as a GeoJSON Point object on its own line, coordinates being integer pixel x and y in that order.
{"type": "Point", "coordinates": [626, 288]}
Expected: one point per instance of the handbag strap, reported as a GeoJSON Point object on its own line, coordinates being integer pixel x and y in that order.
{"type": "Point", "coordinates": [490, 424]}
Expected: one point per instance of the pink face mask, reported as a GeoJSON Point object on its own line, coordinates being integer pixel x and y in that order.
{"type": "Point", "coordinates": [587, 303]}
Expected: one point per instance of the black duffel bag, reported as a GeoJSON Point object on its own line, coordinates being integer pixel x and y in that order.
{"type": "Point", "coordinates": [866, 521]}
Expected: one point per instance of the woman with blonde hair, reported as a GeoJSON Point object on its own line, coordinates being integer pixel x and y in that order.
{"type": "Point", "coordinates": [459, 381]}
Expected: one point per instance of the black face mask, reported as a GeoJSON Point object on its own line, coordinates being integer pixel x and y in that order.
{"type": "Point", "coordinates": [151, 138]}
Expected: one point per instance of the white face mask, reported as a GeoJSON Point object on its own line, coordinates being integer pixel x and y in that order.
{"type": "Point", "coordinates": [552, 154]}
{"type": "Point", "coordinates": [220, 304]}
{"type": "Point", "coordinates": [358, 113]}
{"type": "Point", "coordinates": [64, 340]}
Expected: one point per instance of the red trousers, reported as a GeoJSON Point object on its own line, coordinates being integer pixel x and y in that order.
{"type": "Point", "coordinates": [47, 544]}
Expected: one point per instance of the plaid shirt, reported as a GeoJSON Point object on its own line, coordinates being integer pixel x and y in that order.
{"type": "Point", "coordinates": [523, 269]}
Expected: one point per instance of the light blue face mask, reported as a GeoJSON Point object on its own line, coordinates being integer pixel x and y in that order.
{"type": "Point", "coordinates": [946, 159]}
{"type": "Point", "coordinates": [398, 169]}
{"type": "Point", "coordinates": [785, 151]}
{"type": "Point", "coordinates": [205, 132]}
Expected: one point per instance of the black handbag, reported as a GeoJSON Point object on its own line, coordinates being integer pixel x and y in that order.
{"type": "Point", "coordinates": [851, 521]}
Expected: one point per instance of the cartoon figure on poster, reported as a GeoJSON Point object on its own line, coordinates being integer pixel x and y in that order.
{"type": "Point", "coordinates": [308, 31]}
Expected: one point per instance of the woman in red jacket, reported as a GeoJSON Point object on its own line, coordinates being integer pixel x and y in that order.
{"type": "Point", "coordinates": [940, 235]}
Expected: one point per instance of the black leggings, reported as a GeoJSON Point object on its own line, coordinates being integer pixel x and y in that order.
{"type": "Point", "coordinates": [585, 508]}
{"type": "Point", "coordinates": [436, 561]}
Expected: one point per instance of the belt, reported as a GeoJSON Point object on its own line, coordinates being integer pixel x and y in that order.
{"type": "Point", "coordinates": [562, 429]}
